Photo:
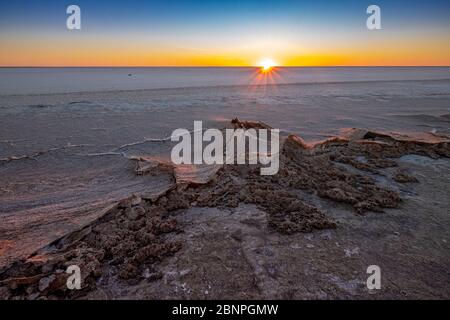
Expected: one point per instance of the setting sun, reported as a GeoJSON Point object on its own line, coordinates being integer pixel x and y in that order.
{"type": "Point", "coordinates": [267, 65]}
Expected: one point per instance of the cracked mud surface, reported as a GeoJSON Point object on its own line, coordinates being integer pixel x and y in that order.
{"type": "Point", "coordinates": [308, 232]}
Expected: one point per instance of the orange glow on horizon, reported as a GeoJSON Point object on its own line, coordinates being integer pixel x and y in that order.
{"type": "Point", "coordinates": [48, 52]}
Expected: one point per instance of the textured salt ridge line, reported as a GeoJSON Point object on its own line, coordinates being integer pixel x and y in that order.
{"type": "Point", "coordinates": [41, 153]}
{"type": "Point", "coordinates": [115, 151]}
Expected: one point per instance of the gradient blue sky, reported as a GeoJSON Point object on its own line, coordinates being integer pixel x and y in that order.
{"type": "Point", "coordinates": [224, 33]}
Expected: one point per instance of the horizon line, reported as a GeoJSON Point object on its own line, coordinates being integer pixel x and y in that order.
{"type": "Point", "coordinates": [194, 66]}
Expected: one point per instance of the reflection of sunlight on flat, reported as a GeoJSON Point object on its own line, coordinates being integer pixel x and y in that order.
{"type": "Point", "coordinates": [266, 76]}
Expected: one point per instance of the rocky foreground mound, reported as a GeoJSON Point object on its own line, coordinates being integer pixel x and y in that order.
{"type": "Point", "coordinates": [127, 244]}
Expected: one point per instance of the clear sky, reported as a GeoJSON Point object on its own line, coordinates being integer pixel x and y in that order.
{"type": "Point", "coordinates": [224, 33]}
